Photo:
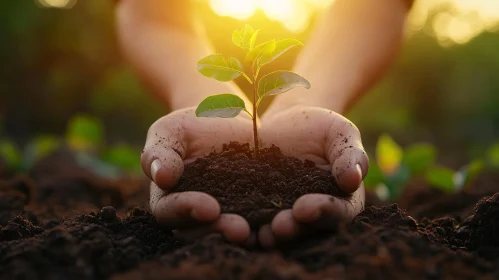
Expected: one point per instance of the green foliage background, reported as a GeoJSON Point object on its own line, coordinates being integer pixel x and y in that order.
{"type": "Point", "coordinates": [60, 63]}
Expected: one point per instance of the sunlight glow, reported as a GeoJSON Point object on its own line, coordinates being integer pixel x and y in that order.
{"type": "Point", "coordinates": [293, 14]}
{"type": "Point", "coordinates": [241, 9]}
{"type": "Point", "coordinates": [456, 21]}
{"type": "Point", "coordinates": [60, 4]}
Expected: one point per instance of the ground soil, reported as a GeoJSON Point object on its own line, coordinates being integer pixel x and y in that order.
{"type": "Point", "coordinates": [256, 187]}
{"type": "Point", "coordinates": [61, 222]}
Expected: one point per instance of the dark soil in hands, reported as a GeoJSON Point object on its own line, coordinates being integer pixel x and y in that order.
{"type": "Point", "coordinates": [61, 222]}
{"type": "Point", "coordinates": [256, 188]}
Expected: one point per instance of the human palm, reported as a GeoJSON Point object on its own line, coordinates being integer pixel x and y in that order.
{"type": "Point", "coordinates": [178, 139]}
{"type": "Point", "coordinates": [334, 144]}
{"type": "Point", "coordinates": [311, 133]}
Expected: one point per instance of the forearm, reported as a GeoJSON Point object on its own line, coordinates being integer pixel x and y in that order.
{"type": "Point", "coordinates": [348, 52]}
{"type": "Point", "coordinates": [164, 53]}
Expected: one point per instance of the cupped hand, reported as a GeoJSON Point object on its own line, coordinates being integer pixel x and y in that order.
{"type": "Point", "coordinates": [334, 144]}
{"type": "Point", "coordinates": [177, 139]}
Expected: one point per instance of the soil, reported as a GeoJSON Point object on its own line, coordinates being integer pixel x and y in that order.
{"type": "Point", "coordinates": [61, 222]}
{"type": "Point", "coordinates": [256, 188]}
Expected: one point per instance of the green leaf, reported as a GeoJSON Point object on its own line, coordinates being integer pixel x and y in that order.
{"type": "Point", "coordinates": [374, 177]}
{"type": "Point", "coordinates": [388, 155]}
{"type": "Point", "coordinates": [472, 170]}
{"type": "Point", "coordinates": [40, 147]}
{"type": "Point", "coordinates": [493, 155]}
{"type": "Point", "coordinates": [279, 82]}
{"type": "Point", "coordinates": [441, 178]}
{"type": "Point", "coordinates": [234, 63]}
{"type": "Point", "coordinates": [419, 157]}
{"type": "Point", "coordinates": [124, 157]}
{"type": "Point", "coordinates": [281, 46]}
{"type": "Point", "coordinates": [97, 166]}
{"type": "Point", "coordinates": [217, 67]}
{"type": "Point", "coordinates": [475, 168]}
{"type": "Point", "coordinates": [221, 106]}
{"type": "Point", "coordinates": [253, 39]}
{"type": "Point", "coordinates": [244, 37]}
{"type": "Point", "coordinates": [84, 132]}
{"type": "Point", "coordinates": [265, 48]}
{"type": "Point", "coordinates": [10, 154]}
{"type": "Point", "coordinates": [237, 38]}
{"type": "Point", "coordinates": [398, 180]}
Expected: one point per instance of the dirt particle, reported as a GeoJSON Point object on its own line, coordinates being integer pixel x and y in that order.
{"type": "Point", "coordinates": [108, 214]}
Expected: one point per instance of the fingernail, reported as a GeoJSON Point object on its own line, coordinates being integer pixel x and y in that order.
{"type": "Point", "coordinates": [155, 166]}
{"type": "Point", "coordinates": [359, 171]}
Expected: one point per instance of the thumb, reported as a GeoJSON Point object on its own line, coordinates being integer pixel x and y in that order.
{"type": "Point", "coordinates": [346, 154]}
{"type": "Point", "coordinates": [162, 157]}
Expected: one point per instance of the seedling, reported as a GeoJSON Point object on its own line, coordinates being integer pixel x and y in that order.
{"type": "Point", "coordinates": [278, 205]}
{"type": "Point", "coordinates": [216, 66]}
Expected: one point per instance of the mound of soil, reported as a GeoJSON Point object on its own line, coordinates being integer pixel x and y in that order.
{"type": "Point", "coordinates": [55, 225]}
{"type": "Point", "coordinates": [256, 188]}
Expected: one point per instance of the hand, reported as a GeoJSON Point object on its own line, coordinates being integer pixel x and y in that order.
{"type": "Point", "coordinates": [334, 144]}
{"type": "Point", "coordinates": [177, 139]}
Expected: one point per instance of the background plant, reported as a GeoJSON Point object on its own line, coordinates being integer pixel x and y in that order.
{"type": "Point", "coordinates": [395, 166]}
{"type": "Point", "coordinates": [84, 138]}
{"type": "Point", "coordinates": [67, 61]}
{"type": "Point", "coordinates": [216, 66]}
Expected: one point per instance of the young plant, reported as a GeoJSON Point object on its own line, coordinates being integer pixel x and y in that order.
{"type": "Point", "coordinates": [216, 66]}
{"type": "Point", "coordinates": [395, 167]}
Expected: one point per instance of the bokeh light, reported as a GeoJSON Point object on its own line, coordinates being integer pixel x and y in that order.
{"type": "Point", "coordinates": [293, 14]}
{"type": "Point", "coordinates": [458, 21]}
{"type": "Point", "coordinates": [60, 4]}
{"type": "Point", "coordinates": [241, 9]}
{"type": "Point", "coordinates": [461, 22]}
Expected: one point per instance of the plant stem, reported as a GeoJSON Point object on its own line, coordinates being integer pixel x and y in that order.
{"type": "Point", "coordinates": [255, 131]}
{"type": "Point", "coordinates": [247, 78]}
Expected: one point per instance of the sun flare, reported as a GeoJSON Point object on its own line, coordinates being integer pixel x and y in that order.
{"type": "Point", "coordinates": [60, 4]}
{"type": "Point", "coordinates": [458, 24]}
{"type": "Point", "coordinates": [293, 14]}
{"type": "Point", "coordinates": [457, 21]}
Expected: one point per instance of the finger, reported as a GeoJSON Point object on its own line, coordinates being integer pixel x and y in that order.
{"type": "Point", "coordinates": [328, 209]}
{"type": "Point", "coordinates": [181, 210]}
{"type": "Point", "coordinates": [233, 227]}
{"type": "Point", "coordinates": [252, 240]}
{"type": "Point", "coordinates": [346, 154]}
{"type": "Point", "coordinates": [266, 237]}
{"type": "Point", "coordinates": [284, 226]}
{"type": "Point", "coordinates": [162, 157]}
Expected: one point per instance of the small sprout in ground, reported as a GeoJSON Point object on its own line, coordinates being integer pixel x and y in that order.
{"type": "Point", "coordinates": [10, 154]}
{"type": "Point", "coordinates": [218, 67]}
{"type": "Point", "coordinates": [278, 205]}
{"type": "Point", "coordinates": [395, 167]}
{"type": "Point", "coordinates": [492, 155]}
{"type": "Point", "coordinates": [23, 159]}
{"type": "Point", "coordinates": [84, 133]}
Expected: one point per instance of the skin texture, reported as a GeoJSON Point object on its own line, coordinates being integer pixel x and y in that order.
{"type": "Point", "coordinates": [334, 144]}
{"type": "Point", "coordinates": [346, 54]}
{"type": "Point", "coordinates": [177, 139]}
